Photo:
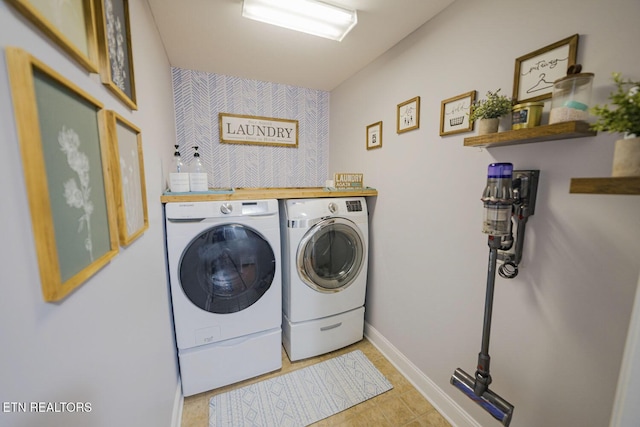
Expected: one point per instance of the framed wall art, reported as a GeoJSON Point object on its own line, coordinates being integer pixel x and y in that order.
{"type": "Point", "coordinates": [257, 130]}
{"type": "Point", "coordinates": [66, 165]}
{"type": "Point", "coordinates": [454, 114]}
{"type": "Point", "coordinates": [125, 143]}
{"type": "Point", "coordinates": [374, 136]}
{"type": "Point", "coordinates": [70, 24]}
{"type": "Point", "coordinates": [408, 115]}
{"type": "Point", "coordinates": [114, 45]}
{"type": "Point", "coordinates": [535, 72]}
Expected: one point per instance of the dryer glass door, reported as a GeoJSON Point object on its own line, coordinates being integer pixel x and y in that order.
{"type": "Point", "coordinates": [227, 268]}
{"type": "Point", "coordinates": [331, 255]}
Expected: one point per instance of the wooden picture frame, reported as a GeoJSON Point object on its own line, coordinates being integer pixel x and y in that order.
{"type": "Point", "coordinates": [66, 165]}
{"type": "Point", "coordinates": [374, 136]}
{"type": "Point", "coordinates": [116, 55]}
{"type": "Point", "coordinates": [535, 72]}
{"type": "Point", "coordinates": [408, 117]}
{"type": "Point", "coordinates": [454, 114]}
{"type": "Point", "coordinates": [71, 25]}
{"type": "Point", "coordinates": [257, 130]}
{"type": "Point", "coordinates": [127, 164]}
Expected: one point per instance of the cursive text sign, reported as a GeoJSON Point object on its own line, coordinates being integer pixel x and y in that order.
{"type": "Point", "coordinates": [535, 72]}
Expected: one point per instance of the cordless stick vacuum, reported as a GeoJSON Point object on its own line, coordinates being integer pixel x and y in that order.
{"type": "Point", "coordinates": [498, 200]}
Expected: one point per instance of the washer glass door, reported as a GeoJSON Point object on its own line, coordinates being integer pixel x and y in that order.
{"type": "Point", "coordinates": [227, 268]}
{"type": "Point", "coordinates": [331, 255]}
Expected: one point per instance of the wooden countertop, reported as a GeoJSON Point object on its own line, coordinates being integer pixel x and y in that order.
{"type": "Point", "coordinates": [267, 193]}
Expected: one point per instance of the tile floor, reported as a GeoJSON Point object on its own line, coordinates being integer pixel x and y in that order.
{"type": "Point", "coordinates": [402, 406]}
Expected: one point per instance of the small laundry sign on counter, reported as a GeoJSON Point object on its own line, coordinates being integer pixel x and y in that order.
{"type": "Point", "coordinates": [241, 129]}
{"type": "Point", "coordinates": [343, 181]}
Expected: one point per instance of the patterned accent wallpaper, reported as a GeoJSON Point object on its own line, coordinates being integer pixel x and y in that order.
{"type": "Point", "coordinates": [200, 96]}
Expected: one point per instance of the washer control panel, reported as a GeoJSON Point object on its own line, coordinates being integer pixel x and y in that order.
{"type": "Point", "coordinates": [226, 208]}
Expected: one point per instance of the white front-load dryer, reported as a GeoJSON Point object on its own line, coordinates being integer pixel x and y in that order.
{"type": "Point", "coordinates": [226, 290]}
{"type": "Point", "coordinates": [325, 249]}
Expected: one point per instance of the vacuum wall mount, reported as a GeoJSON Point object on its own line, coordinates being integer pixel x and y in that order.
{"type": "Point", "coordinates": [509, 197]}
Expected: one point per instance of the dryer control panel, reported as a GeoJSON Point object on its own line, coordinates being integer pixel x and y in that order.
{"type": "Point", "coordinates": [354, 206]}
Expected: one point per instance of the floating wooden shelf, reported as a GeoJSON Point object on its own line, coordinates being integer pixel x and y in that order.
{"type": "Point", "coordinates": [557, 131]}
{"type": "Point", "coordinates": [269, 193]}
{"type": "Point", "coordinates": [564, 130]}
{"type": "Point", "coordinates": [625, 185]}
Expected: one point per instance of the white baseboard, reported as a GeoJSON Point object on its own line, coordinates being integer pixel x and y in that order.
{"type": "Point", "coordinates": [178, 404]}
{"type": "Point", "coordinates": [447, 407]}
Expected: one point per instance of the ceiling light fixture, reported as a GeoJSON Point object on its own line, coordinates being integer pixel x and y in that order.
{"type": "Point", "coordinates": [308, 16]}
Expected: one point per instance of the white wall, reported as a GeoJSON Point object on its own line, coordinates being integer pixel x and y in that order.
{"type": "Point", "coordinates": [110, 342]}
{"type": "Point", "coordinates": [559, 328]}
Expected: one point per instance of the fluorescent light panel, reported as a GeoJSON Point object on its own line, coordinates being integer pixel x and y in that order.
{"type": "Point", "coordinates": [308, 16]}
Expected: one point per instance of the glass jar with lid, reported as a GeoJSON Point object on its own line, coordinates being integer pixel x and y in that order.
{"type": "Point", "coordinates": [571, 97]}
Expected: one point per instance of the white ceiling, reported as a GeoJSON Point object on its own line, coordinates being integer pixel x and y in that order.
{"type": "Point", "coordinates": [212, 36]}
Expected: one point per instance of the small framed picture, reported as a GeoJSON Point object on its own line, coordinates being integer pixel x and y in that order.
{"type": "Point", "coordinates": [408, 115]}
{"type": "Point", "coordinates": [535, 72]}
{"type": "Point", "coordinates": [70, 24]}
{"type": "Point", "coordinates": [125, 143]}
{"type": "Point", "coordinates": [65, 159]}
{"type": "Point", "coordinates": [374, 136]}
{"type": "Point", "coordinates": [114, 45]}
{"type": "Point", "coordinates": [454, 114]}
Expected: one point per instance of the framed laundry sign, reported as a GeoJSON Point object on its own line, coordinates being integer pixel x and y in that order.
{"type": "Point", "coordinates": [257, 130]}
{"type": "Point", "coordinates": [454, 114]}
{"type": "Point", "coordinates": [66, 166]}
{"type": "Point", "coordinates": [408, 117]}
{"type": "Point", "coordinates": [346, 181]}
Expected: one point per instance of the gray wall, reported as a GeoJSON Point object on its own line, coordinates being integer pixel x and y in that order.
{"type": "Point", "coordinates": [110, 342]}
{"type": "Point", "coordinates": [559, 328]}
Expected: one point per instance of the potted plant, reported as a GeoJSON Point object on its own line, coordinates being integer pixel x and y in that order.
{"type": "Point", "coordinates": [488, 111]}
{"type": "Point", "coordinates": [625, 118]}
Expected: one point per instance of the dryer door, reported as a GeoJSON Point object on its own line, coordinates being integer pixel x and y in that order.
{"type": "Point", "coordinates": [331, 255]}
{"type": "Point", "coordinates": [227, 268]}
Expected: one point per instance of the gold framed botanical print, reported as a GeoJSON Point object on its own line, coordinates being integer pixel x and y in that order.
{"type": "Point", "coordinates": [70, 24]}
{"type": "Point", "coordinates": [127, 165]}
{"type": "Point", "coordinates": [116, 55]}
{"type": "Point", "coordinates": [66, 165]}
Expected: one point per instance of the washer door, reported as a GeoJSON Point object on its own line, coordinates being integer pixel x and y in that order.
{"type": "Point", "coordinates": [227, 268]}
{"type": "Point", "coordinates": [331, 255]}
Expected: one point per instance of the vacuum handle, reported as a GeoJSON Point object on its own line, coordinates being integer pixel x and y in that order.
{"type": "Point", "coordinates": [483, 376]}
{"type": "Point", "coordinates": [494, 244]}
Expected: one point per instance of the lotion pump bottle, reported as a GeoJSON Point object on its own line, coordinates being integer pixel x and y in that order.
{"type": "Point", "coordinates": [198, 175]}
{"type": "Point", "coordinates": [178, 176]}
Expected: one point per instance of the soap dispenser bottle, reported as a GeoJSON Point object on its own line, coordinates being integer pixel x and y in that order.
{"type": "Point", "coordinates": [178, 176]}
{"type": "Point", "coordinates": [197, 175]}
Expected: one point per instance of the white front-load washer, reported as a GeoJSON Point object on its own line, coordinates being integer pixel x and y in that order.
{"type": "Point", "coordinates": [325, 259]}
{"type": "Point", "coordinates": [226, 290]}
